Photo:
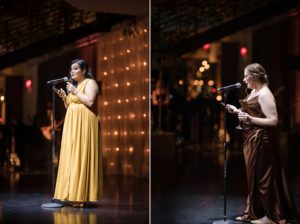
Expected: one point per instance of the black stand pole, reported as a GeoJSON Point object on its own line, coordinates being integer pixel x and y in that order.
{"type": "Point", "coordinates": [53, 205]}
{"type": "Point", "coordinates": [225, 167]}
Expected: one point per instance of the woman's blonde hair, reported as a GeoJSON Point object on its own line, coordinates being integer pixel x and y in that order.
{"type": "Point", "coordinates": [258, 72]}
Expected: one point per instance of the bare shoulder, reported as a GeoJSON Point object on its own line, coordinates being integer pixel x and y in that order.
{"type": "Point", "coordinates": [266, 94]}
{"type": "Point", "coordinates": [91, 83]}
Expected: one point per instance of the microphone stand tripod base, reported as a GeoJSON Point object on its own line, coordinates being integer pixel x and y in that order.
{"type": "Point", "coordinates": [224, 222]}
{"type": "Point", "coordinates": [52, 205]}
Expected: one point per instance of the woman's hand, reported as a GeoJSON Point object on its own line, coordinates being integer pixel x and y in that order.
{"type": "Point", "coordinates": [71, 88]}
{"type": "Point", "coordinates": [232, 109]}
{"type": "Point", "coordinates": [245, 117]}
{"type": "Point", "coordinates": [61, 93]}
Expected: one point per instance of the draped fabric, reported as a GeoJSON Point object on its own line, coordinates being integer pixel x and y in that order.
{"type": "Point", "coordinates": [123, 68]}
{"type": "Point", "coordinates": [268, 189]}
{"type": "Point", "coordinates": [80, 166]}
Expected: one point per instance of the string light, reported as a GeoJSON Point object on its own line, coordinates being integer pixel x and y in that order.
{"type": "Point", "coordinates": [131, 149]}
{"type": "Point", "coordinates": [113, 99]}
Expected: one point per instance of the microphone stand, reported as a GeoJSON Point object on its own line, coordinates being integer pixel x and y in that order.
{"type": "Point", "coordinates": [224, 221]}
{"type": "Point", "coordinates": [52, 204]}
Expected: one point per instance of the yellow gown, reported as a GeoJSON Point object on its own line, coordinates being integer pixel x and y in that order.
{"type": "Point", "coordinates": [79, 177]}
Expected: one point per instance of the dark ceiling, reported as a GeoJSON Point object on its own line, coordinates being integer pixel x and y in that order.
{"type": "Point", "coordinates": [181, 26]}
{"type": "Point", "coordinates": [29, 28]}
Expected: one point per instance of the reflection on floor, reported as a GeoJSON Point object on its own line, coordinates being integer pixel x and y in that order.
{"type": "Point", "coordinates": [21, 196]}
{"type": "Point", "coordinates": [189, 189]}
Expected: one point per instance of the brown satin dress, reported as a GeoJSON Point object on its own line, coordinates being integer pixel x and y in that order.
{"type": "Point", "coordinates": [268, 190]}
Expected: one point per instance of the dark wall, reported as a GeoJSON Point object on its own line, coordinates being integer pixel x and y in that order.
{"type": "Point", "coordinates": [14, 98]}
{"type": "Point", "coordinates": [58, 67]}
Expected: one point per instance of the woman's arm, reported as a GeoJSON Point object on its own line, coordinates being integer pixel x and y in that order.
{"type": "Point", "coordinates": [89, 95]}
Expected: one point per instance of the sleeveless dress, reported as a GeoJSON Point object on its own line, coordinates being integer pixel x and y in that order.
{"type": "Point", "coordinates": [79, 177]}
{"type": "Point", "coordinates": [268, 189]}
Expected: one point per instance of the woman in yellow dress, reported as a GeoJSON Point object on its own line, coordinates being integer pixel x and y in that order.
{"type": "Point", "coordinates": [79, 178]}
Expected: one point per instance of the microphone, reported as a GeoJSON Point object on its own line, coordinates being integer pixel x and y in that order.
{"type": "Point", "coordinates": [234, 86]}
{"type": "Point", "coordinates": [55, 81]}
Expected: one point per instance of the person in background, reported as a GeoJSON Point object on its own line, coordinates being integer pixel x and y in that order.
{"type": "Point", "coordinates": [160, 105]}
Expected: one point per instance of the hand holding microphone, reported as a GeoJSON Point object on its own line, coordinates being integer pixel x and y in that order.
{"type": "Point", "coordinates": [71, 88]}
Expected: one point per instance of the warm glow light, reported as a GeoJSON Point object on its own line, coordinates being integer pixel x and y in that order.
{"type": "Point", "coordinates": [125, 133]}
{"type": "Point", "coordinates": [105, 73]}
{"type": "Point", "coordinates": [117, 149]}
{"type": "Point", "coordinates": [119, 101]}
{"type": "Point", "coordinates": [210, 82]}
{"type": "Point", "coordinates": [108, 118]}
{"type": "Point", "coordinates": [135, 99]}
{"type": "Point", "coordinates": [133, 65]}
{"type": "Point", "coordinates": [144, 115]}
{"type": "Point", "coordinates": [131, 115]}
{"type": "Point", "coordinates": [112, 164]}
{"type": "Point", "coordinates": [219, 98]}
{"type": "Point", "coordinates": [2, 98]}
{"type": "Point", "coordinates": [28, 84]}
{"type": "Point", "coordinates": [180, 82]}
{"type": "Point", "coordinates": [127, 100]}
{"type": "Point", "coordinates": [115, 132]}
{"type": "Point", "coordinates": [196, 82]}
{"type": "Point", "coordinates": [121, 53]}
{"type": "Point", "coordinates": [145, 63]}
{"type": "Point", "coordinates": [201, 69]}
{"type": "Point", "coordinates": [128, 51]}
{"type": "Point", "coordinates": [121, 38]}
{"type": "Point", "coordinates": [207, 66]}
{"type": "Point", "coordinates": [112, 71]}
{"type": "Point", "coordinates": [201, 83]}
{"type": "Point", "coordinates": [119, 117]}
{"type": "Point", "coordinates": [143, 97]}
{"type": "Point", "coordinates": [146, 45]}
{"type": "Point", "coordinates": [128, 83]}
{"type": "Point", "coordinates": [204, 62]}
{"type": "Point", "coordinates": [142, 132]}
{"type": "Point", "coordinates": [105, 103]}
{"type": "Point", "coordinates": [127, 68]}
{"type": "Point", "coordinates": [206, 46]}
{"type": "Point", "coordinates": [243, 51]}
{"type": "Point", "coordinates": [131, 149]}
{"type": "Point", "coordinates": [116, 85]}
{"type": "Point", "coordinates": [145, 30]}
{"type": "Point", "coordinates": [104, 58]}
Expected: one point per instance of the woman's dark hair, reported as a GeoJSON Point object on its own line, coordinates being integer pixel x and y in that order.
{"type": "Point", "coordinates": [258, 72]}
{"type": "Point", "coordinates": [85, 67]}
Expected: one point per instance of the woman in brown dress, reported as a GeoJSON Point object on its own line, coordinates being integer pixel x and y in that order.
{"type": "Point", "coordinates": [269, 198]}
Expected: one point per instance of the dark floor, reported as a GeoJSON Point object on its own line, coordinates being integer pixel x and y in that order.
{"type": "Point", "coordinates": [189, 189]}
{"type": "Point", "coordinates": [21, 196]}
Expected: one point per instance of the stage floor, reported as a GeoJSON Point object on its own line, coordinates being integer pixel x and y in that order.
{"type": "Point", "coordinates": [21, 196]}
{"type": "Point", "coordinates": [189, 190]}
